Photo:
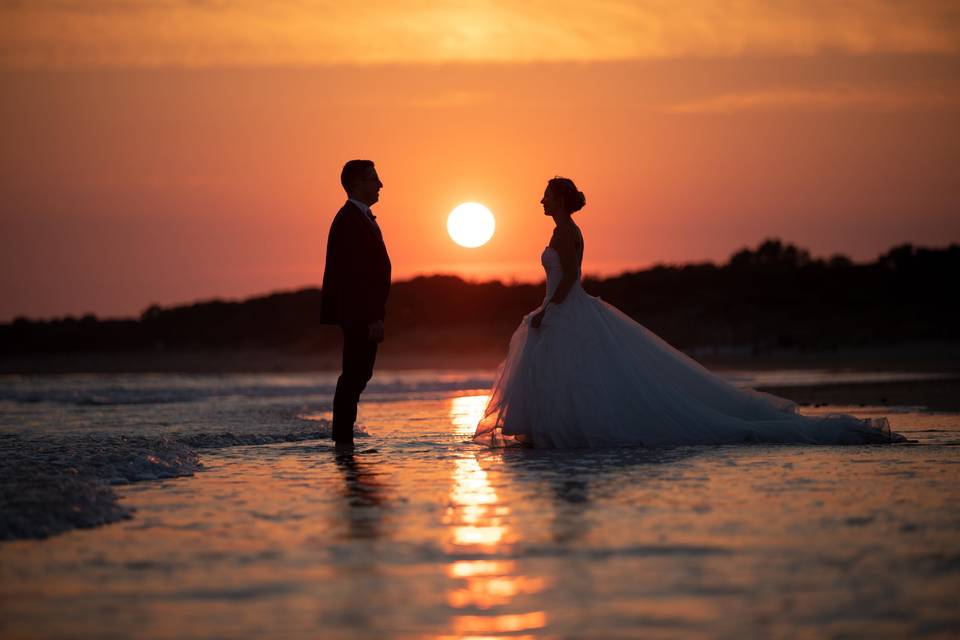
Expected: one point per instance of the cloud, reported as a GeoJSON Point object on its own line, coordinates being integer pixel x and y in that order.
{"type": "Point", "coordinates": [141, 33]}
{"type": "Point", "coordinates": [824, 99]}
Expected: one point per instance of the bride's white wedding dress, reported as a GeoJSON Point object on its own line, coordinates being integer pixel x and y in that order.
{"type": "Point", "coordinates": [591, 376]}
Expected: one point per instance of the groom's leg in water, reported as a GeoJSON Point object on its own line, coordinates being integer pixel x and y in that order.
{"type": "Point", "coordinates": [359, 354]}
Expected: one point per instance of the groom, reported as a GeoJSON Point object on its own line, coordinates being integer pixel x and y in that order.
{"type": "Point", "coordinates": [356, 282]}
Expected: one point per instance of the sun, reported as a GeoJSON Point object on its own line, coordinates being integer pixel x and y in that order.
{"type": "Point", "coordinates": [471, 225]}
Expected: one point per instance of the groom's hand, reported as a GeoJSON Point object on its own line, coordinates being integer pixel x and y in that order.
{"type": "Point", "coordinates": [376, 331]}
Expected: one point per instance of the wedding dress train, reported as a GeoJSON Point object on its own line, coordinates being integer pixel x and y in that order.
{"type": "Point", "coordinates": [591, 376]}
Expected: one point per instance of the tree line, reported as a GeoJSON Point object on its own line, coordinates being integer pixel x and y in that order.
{"type": "Point", "coordinates": [773, 296]}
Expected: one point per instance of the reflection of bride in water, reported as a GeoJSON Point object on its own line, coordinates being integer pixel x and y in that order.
{"type": "Point", "coordinates": [580, 373]}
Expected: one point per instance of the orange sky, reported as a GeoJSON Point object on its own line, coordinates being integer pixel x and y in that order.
{"type": "Point", "coordinates": [170, 151]}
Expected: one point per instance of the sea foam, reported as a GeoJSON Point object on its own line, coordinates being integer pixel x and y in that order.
{"type": "Point", "coordinates": [49, 485]}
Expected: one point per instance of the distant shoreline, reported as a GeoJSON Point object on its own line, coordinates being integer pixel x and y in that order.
{"type": "Point", "coordinates": [923, 356]}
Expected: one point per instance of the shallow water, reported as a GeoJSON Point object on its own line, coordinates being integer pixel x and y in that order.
{"type": "Point", "coordinates": [422, 534]}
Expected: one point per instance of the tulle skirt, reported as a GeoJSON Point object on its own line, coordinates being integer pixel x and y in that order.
{"type": "Point", "coordinates": [591, 376]}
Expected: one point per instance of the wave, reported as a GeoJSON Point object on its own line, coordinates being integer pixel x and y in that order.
{"type": "Point", "coordinates": [104, 390]}
{"type": "Point", "coordinates": [51, 485]}
{"type": "Point", "coordinates": [96, 391]}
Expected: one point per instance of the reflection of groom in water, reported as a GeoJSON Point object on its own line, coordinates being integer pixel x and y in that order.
{"type": "Point", "coordinates": [356, 282]}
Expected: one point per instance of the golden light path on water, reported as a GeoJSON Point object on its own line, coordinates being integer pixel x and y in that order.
{"type": "Point", "coordinates": [478, 523]}
{"type": "Point", "coordinates": [466, 412]}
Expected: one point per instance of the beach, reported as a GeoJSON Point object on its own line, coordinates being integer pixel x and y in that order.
{"type": "Point", "coordinates": [212, 505]}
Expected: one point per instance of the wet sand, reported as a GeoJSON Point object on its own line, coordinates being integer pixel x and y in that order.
{"type": "Point", "coordinates": [931, 395]}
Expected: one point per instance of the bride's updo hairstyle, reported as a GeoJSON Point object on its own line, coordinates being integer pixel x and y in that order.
{"type": "Point", "coordinates": [565, 189]}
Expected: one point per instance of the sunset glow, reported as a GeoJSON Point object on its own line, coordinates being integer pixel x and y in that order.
{"type": "Point", "coordinates": [174, 151]}
{"type": "Point", "coordinates": [43, 33]}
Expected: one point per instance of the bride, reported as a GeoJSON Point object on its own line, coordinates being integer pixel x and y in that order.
{"type": "Point", "coordinates": [580, 373]}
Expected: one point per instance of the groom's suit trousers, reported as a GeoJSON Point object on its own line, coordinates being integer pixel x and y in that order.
{"type": "Point", "coordinates": [359, 355]}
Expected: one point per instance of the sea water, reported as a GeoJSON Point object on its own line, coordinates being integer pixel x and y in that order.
{"type": "Point", "coordinates": [224, 512]}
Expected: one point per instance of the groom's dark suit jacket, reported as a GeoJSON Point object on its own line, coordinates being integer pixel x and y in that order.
{"type": "Point", "coordinates": [356, 279]}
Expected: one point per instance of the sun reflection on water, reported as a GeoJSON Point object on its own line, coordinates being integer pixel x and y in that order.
{"type": "Point", "coordinates": [476, 517]}
{"type": "Point", "coordinates": [488, 584]}
{"type": "Point", "coordinates": [466, 412]}
{"type": "Point", "coordinates": [488, 591]}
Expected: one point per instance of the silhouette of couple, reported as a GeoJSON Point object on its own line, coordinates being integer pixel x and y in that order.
{"type": "Point", "coordinates": [578, 373]}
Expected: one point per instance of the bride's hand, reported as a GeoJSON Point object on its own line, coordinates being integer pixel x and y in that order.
{"type": "Point", "coordinates": [537, 319]}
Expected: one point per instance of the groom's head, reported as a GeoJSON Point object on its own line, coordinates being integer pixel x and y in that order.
{"type": "Point", "coordinates": [361, 182]}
